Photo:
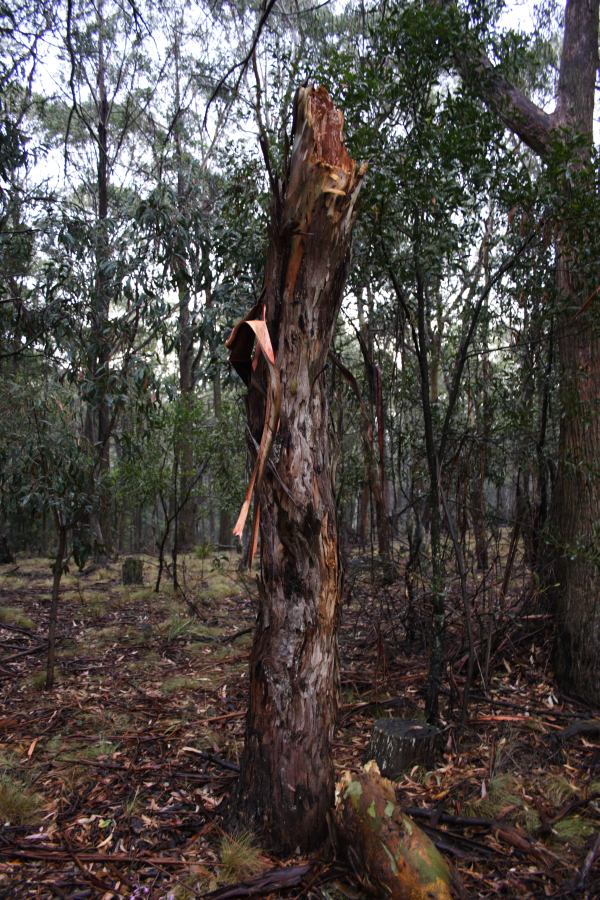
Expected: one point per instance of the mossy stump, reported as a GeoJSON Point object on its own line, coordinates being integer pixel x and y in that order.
{"type": "Point", "coordinates": [399, 744]}
{"type": "Point", "coordinates": [133, 571]}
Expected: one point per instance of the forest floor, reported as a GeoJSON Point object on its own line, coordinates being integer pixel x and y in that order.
{"type": "Point", "coordinates": [111, 784]}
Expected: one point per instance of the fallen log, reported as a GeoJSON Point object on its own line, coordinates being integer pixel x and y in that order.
{"type": "Point", "coordinates": [389, 852]}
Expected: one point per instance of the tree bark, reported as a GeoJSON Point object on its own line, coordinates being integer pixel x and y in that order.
{"type": "Point", "coordinates": [57, 574]}
{"type": "Point", "coordinates": [101, 308]}
{"type": "Point", "coordinates": [573, 531]}
{"type": "Point", "coordinates": [286, 782]}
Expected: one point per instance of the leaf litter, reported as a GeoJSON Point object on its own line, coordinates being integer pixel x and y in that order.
{"type": "Point", "coordinates": [113, 784]}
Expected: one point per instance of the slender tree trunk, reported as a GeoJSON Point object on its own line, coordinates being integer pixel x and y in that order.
{"type": "Point", "coordinates": [184, 447]}
{"type": "Point", "coordinates": [102, 350]}
{"type": "Point", "coordinates": [57, 573]}
{"type": "Point", "coordinates": [287, 780]}
{"type": "Point", "coordinates": [363, 518]}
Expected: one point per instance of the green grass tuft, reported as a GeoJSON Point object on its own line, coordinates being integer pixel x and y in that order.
{"type": "Point", "coordinates": [575, 830]}
{"type": "Point", "coordinates": [37, 681]}
{"type": "Point", "coordinates": [240, 858]}
{"type": "Point", "coordinates": [178, 683]}
{"type": "Point", "coordinates": [502, 792]}
{"type": "Point", "coordinates": [13, 616]}
{"type": "Point", "coordinates": [18, 805]}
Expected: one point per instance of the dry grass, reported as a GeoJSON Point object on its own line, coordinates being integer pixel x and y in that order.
{"type": "Point", "coordinates": [13, 616]}
{"type": "Point", "coordinates": [240, 858]}
{"type": "Point", "coordinates": [18, 804]}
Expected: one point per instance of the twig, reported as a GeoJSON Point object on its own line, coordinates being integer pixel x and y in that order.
{"type": "Point", "coordinates": [588, 862]}
{"type": "Point", "coordinates": [229, 638]}
{"type": "Point", "coordinates": [243, 63]}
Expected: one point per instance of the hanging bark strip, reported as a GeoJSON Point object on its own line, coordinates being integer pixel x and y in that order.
{"type": "Point", "coordinates": [241, 344]}
{"type": "Point", "coordinates": [286, 782]}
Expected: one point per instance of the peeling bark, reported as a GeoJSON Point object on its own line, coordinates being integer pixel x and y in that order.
{"type": "Point", "coordinates": [286, 783]}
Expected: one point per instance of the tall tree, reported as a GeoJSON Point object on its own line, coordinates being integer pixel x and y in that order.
{"type": "Point", "coordinates": [564, 141]}
{"type": "Point", "coordinates": [287, 780]}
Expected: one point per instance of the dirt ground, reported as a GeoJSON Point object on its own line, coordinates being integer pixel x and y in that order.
{"type": "Point", "coordinates": [113, 784]}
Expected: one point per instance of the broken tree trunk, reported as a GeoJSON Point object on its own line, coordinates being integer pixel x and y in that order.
{"type": "Point", "coordinates": [390, 854]}
{"type": "Point", "coordinates": [286, 782]}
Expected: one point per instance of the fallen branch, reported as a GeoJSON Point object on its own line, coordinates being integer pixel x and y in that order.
{"type": "Point", "coordinates": [57, 855]}
{"type": "Point", "coordinates": [213, 758]}
{"type": "Point", "coordinates": [30, 652]}
{"type": "Point", "coordinates": [230, 638]}
{"type": "Point", "coordinates": [588, 862]}
{"type": "Point", "coordinates": [274, 880]}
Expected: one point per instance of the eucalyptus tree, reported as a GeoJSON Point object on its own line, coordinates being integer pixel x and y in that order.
{"type": "Point", "coordinates": [437, 252]}
{"type": "Point", "coordinates": [93, 115]}
{"type": "Point", "coordinates": [563, 140]}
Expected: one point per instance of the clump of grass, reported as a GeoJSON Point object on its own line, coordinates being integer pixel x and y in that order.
{"type": "Point", "coordinates": [55, 745]}
{"type": "Point", "coordinates": [501, 794]}
{"type": "Point", "coordinates": [95, 609]}
{"type": "Point", "coordinates": [18, 804]}
{"type": "Point", "coordinates": [175, 627]}
{"type": "Point", "coordinates": [531, 820]}
{"type": "Point", "coordinates": [102, 748]}
{"type": "Point", "coordinates": [13, 616]}
{"type": "Point", "coordinates": [557, 790]}
{"type": "Point", "coordinates": [575, 830]}
{"type": "Point", "coordinates": [240, 858]}
{"type": "Point", "coordinates": [199, 632]}
{"type": "Point", "coordinates": [93, 604]}
{"type": "Point", "coordinates": [109, 635]}
{"type": "Point", "coordinates": [8, 762]}
{"type": "Point", "coordinates": [594, 788]}
{"type": "Point", "coordinates": [178, 683]}
{"type": "Point", "coordinates": [139, 594]}
{"type": "Point", "coordinates": [133, 805]}
{"type": "Point", "coordinates": [37, 681]}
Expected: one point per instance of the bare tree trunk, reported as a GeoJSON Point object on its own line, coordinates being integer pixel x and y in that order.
{"type": "Point", "coordinates": [101, 310]}
{"type": "Point", "coordinates": [185, 531]}
{"type": "Point", "coordinates": [57, 573]}
{"type": "Point", "coordinates": [287, 781]}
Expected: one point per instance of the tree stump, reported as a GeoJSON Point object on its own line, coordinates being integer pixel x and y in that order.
{"type": "Point", "coordinates": [399, 744]}
{"type": "Point", "coordinates": [6, 555]}
{"type": "Point", "coordinates": [133, 571]}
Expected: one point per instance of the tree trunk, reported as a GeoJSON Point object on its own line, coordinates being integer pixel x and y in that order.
{"type": "Point", "coordinates": [57, 573]}
{"type": "Point", "coordinates": [286, 783]}
{"type": "Point", "coordinates": [184, 448]}
{"type": "Point", "coordinates": [574, 529]}
{"type": "Point", "coordinates": [101, 310]}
